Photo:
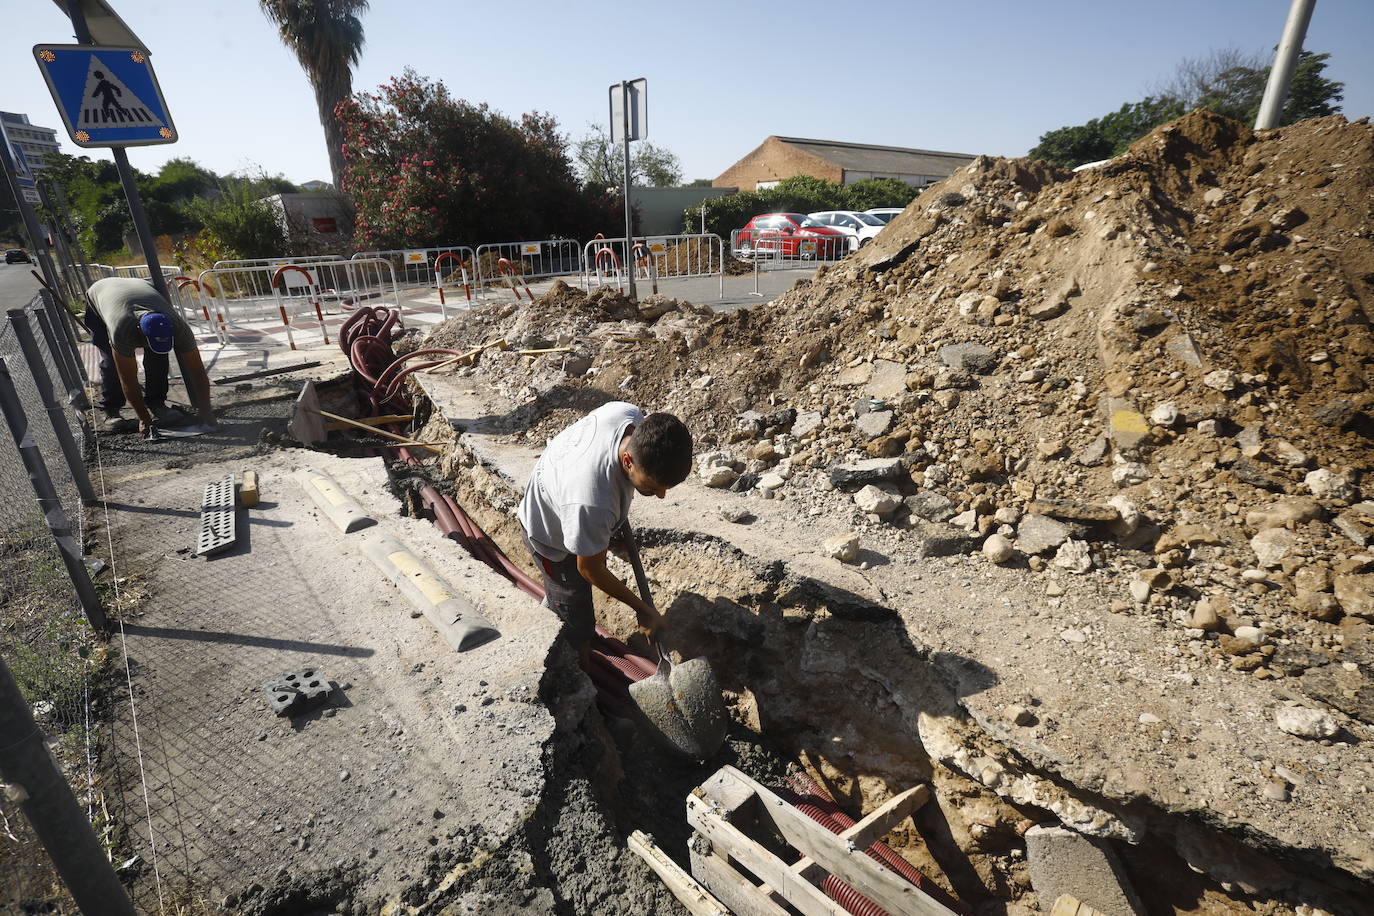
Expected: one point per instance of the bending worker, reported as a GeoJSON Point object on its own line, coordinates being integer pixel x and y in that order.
{"type": "Point", "coordinates": [580, 493]}
{"type": "Point", "coordinates": [125, 314]}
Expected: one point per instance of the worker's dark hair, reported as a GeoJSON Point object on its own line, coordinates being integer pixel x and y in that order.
{"type": "Point", "coordinates": [662, 447]}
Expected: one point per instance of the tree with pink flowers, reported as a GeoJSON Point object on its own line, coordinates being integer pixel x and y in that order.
{"type": "Point", "coordinates": [425, 168]}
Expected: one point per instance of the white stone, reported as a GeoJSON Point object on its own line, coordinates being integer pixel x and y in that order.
{"type": "Point", "coordinates": [1323, 484]}
{"type": "Point", "coordinates": [1007, 515]}
{"type": "Point", "coordinates": [997, 548]}
{"type": "Point", "coordinates": [702, 382]}
{"type": "Point", "coordinates": [1074, 636]}
{"type": "Point", "coordinates": [1140, 591]}
{"type": "Point", "coordinates": [1165, 414]}
{"type": "Point", "coordinates": [968, 520]}
{"type": "Point", "coordinates": [770, 482]}
{"type": "Point", "coordinates": [1273, 544]}
{"type": "Point", "coordinates": [1305, 723]}
{"type": "Point", "coordinates": [1130, 473]}
{"type": "Point", "coordinates": [842, 547]}
{"type": "Point", "coordinates": [1074, 556]}
{"type": "Point", "coordinates": [876, 501]}
{"type": "Point", "coordinates": [717, 476]}
{"type": "Point", "coordinates": [1130, 516]}
{"type": "Point", "coordinates": [733, 513]}
{"type": "Point", "coordinates": [1220, 380]}
{"type": "Point", "coordinates": [1149, 718]}
{"type": "Point", "coordinates": [1253, 637]}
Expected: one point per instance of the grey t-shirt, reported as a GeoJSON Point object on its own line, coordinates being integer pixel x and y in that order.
{"type": "Point", "coordinates": [121, 301]}
{"type": "Point", "coordinates": [578, 494]}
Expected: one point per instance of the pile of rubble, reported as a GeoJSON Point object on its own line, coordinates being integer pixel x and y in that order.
{"type": "Point", "coordinates": [1154, 375]}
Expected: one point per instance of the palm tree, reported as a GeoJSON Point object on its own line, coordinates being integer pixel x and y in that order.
{"type": "Point", "coordinates": [327, 38]}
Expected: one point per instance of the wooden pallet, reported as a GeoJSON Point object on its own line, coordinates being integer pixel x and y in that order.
{"type": "Point", "coordinates": [738, 824]}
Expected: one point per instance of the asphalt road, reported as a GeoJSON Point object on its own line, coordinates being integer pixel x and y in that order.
{"type": "Point", "coordinates": [17, 285]}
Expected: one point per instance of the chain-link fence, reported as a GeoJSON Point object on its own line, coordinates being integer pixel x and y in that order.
{"type": "Point", "coordinates": [45, 640]}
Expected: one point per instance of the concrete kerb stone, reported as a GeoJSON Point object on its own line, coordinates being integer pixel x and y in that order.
{"type": "Point", "coordinates": [1063, 861]}
{"type": "Point", "coordinates": [343, 510]}
{"type": "Point", "coordinates": [456, 619]}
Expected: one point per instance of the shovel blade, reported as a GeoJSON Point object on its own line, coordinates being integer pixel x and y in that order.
{"type": "Point", "coordinates": [683, 708]}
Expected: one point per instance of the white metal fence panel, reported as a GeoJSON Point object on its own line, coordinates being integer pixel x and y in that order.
{"type": "Point", "coordinates": [658, 257]}
{"type": "Point", "coordinates": [527, 261]}
{"type": "Point", "coordinates": [438, 267]}
{"type": "Point", "coordinates": [296, 296]}
{"type": "Point", "coordinates": [770, 248]}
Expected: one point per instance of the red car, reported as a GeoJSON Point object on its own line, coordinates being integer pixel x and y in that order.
{"type": "Point", "coordinates": [790, 235]}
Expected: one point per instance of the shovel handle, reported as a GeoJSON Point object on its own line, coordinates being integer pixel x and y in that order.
{"type": "Point", "coordinates": [632, 550]}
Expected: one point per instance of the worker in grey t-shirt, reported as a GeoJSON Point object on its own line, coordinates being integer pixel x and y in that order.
{"type": "Point", "coordinates": [125, 314]}
{"type": "Point", "coordinates": [579, 494]}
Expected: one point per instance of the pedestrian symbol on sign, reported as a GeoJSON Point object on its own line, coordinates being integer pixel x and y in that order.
{"type": "Point", "coordinates": [108, 101]}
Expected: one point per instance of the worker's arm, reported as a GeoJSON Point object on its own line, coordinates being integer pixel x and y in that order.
{"type": "Point", "coordinates": [593, 569]}
{"type": "Point", "coordinates": [194, 366]}
{"type": "Point", "coordinates": [127, 369]}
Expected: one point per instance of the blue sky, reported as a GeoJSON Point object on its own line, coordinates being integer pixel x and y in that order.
{"type": "Point", "coordinates": [981, 76]}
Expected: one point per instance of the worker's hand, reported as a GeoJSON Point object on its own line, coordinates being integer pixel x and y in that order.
{"type": "Point", "coordinates": [145, 427]}
{"type": "Point", "coordinates": [651, 624]}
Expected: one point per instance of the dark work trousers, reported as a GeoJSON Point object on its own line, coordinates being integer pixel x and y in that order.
{"type": "Point", "coordinates": [568, 595]}
{"type": "Point", "coordinates": [155, 369]}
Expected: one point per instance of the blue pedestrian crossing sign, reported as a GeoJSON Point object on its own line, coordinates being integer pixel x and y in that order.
{"type": "Point", "coordinates": [107, 96]}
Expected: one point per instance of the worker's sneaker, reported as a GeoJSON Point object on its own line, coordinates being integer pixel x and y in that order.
{"type": "Point", "coordinates": [166, 415]}
{"type": "Point", "coordinates": [113, 423]}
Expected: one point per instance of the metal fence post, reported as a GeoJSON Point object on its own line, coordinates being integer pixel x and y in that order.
{"type": "Point", "coordinates": [52, 809]}
{"type": "Point", "coordinates": [28, 345]}
{"type": "Point", "coordinates": [72, 377]}
{"type": "Point", "coordinates": [48, 502]}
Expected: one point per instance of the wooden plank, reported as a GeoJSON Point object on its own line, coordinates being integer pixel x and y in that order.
{"type": "Point", "coordinates": [1067, 905]}
{"type": "Point", "coordinates": [880, 822]}
{"type": "Point", "coordinates": [804, 896]}
{"type": "Point", "coordinates": [730, 887]}
{"type": "Point", "coordinates": [692, 895]}
{"type": "Point", "coordinates": [348, 421]}
{"type": "Point", "coordinates": [847, 861]}
{"type": "Point", "coordinates": [725, 791]}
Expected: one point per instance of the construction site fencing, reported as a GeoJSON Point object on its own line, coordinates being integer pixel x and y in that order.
{"type": "Point", "coordinates": [453, 267]}
{"type": "Point", "coordinates": [772, 249]}
{"type": "Point", "coordinates": [142, 271]}
{"type": "Point", "coordinates": [507, 264]}
{"type": "Point", "coordinates": [305, 297]}
{"type": "Point", "coordinates": [45, 639]}
{"type": "Point", "coordinates": [656, 258]}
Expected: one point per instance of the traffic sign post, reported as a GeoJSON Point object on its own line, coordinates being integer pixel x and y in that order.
{"type": "Point", "coordinates": [109, 96]}
{"type": "Point", "coordinates": [629, 121]}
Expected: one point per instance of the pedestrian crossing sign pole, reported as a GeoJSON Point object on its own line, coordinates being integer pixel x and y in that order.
{"type": "Point", "coordinates": [107, 96]}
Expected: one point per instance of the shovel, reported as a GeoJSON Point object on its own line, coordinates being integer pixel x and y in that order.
{"type": "Point", "coordinates": [682, 703]}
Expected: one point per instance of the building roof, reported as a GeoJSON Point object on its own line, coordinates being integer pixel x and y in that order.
{"type": "Point", "coordinates": [862, 157]}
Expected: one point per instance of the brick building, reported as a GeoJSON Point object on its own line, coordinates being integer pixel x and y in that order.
{"type": "Point", "coordinates": [782, 157]}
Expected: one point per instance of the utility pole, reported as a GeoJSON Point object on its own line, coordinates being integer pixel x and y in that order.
{"type": "Point", "coordinates": [126, 173]}
{"type": "Point", "coordinates": [625, 138]}
{"type": "Point", "coordinates": [1285, 63]}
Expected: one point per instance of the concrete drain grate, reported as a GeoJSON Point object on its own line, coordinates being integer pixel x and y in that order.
{"type": "Point", "coordinates": [298, 692]}
{"type": "Point", "coordinates": [218, 527]}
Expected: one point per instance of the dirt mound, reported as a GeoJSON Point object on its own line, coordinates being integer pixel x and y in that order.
{"type": "Point", "coordinates": [1168, 358]}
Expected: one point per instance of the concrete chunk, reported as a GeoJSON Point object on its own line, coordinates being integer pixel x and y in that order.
{"type": "Point", "coordinates": [1065, 862]}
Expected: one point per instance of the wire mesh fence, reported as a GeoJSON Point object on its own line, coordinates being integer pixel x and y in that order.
{"type": "Point", "coordinates": [45, 640]}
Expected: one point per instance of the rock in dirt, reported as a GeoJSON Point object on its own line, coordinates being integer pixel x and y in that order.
{"type": "Point", "coordinates": [862, 472]}
{"type": "Point", "coordinates": [877, 501]}
{"type": "Point", "coordinates": [1303, 722]}
{"type": "Point", "coordinates": [842, 547]}
{"type": "Point", "coordinates": [997, 549]}
{"type": "Point", "coordinates": [1037, 534]}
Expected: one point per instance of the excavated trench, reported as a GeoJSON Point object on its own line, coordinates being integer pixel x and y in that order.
{"type": "Point", "coordinates": [820, 677]}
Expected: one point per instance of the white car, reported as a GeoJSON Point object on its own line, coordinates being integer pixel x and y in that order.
{"type": "Point", "coordinates": [860, 227]}
{"type": "Point", "coordinates": [884, 213]}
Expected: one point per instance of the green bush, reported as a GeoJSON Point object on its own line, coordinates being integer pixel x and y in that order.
{"type": "Point", "coordinates": [798, 194]}
{"type": "Point", "coordinates": [240, 221]}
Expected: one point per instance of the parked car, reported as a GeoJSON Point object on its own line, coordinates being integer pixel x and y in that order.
{"type": "Point", "coordinates": [884, 213]}
{"type": "Point", "coordinates": [860, 227]}
{"type": "Point", "coordinates": [17, 256]}
{"type": "Point", "coordinates": [789, 235]}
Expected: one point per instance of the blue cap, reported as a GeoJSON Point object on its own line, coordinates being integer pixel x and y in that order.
{"type": "Point", "coordinates": [157, 327]}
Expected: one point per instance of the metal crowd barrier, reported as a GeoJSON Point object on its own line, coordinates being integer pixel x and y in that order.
{"type": "Point", "coordinates": [439, 267]}
{"type": "Point", "coordinates": [299, 294]}
{"type": "Point", "coordinates": [527, 261]}
{"type": "Point", "coordinates": [771, 248]}
{"type": "Point", "coordinates": [658, 257]}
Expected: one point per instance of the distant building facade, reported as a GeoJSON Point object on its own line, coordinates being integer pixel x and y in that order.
{"type": "Point", "coordinates": [35, 142]}
{"type": "Point", "coordinates": [845, 163]}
